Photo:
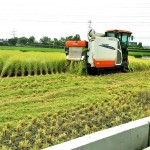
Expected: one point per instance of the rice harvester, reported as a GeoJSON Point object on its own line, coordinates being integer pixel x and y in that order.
{"type": "Point", "coordinates": [101, 51]}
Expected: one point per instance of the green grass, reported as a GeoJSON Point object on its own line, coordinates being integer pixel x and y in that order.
{"type": "Point", "coordinates": [139, 54]}
{"type": "Point", "coordinates": [68, 102]}
{"type": "Point", "coordinates": [35, 49]}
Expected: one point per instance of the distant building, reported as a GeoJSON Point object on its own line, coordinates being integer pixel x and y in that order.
{"type": "Point", "coordinates": [132, 43]}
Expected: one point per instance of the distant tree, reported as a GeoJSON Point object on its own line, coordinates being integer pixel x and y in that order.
{"type": "Point", "coordinates": [45, 40]}
{"type": "Point", "coordinates": [1, 42]}
{"type": "Point", "coordinates": [77, 37]}
{"type": "Point", "coordinates": [69, 38]}
{"type": "Point", "coordinates": [31, 40]}
{"type": "Point", "coordinates": [140, 45]}
{"type": "Point", "coordinates": [56, 42]}
{"type": "Point", "coordinates": [62, 41]}
{"type": "Point", "coordinates": [23, 41]}
{"type": "Point", "coordinates": [50, 41]}
{"type": "Point", "coordinates": [13, 41]}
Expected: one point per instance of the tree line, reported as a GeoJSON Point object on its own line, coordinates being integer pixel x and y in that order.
{"type": "Point", "coordinates": [43, 42]}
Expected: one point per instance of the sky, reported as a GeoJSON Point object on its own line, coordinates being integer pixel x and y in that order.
{"type": "Point", "coordinates": [61, 18]}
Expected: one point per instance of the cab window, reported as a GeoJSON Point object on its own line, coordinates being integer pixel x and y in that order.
{"type": "Point", "coordinates": [124, 38]}
{"type": "Point", "coordinates": [110, 34]}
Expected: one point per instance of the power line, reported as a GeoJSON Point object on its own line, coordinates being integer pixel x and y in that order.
{"type": "Point", "coordinates": [90, 22]}
{"type": "Point", "coordinates": [79, 15]}
{"type": "Point", "coordinates": [98, 16]}
{"type": "Point", "coordinates": [52, 21]}
{"type": "Point", "coordinates": [59, 21]}
{"type": "Point", "coordinates": [141, 15]}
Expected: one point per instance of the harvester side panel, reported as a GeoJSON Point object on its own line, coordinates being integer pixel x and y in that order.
{"type": "Point", "coordinates": [104, 52]}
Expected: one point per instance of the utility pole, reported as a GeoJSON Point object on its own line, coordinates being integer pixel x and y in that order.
{"type": "Point", "coordinates": [14, 33]}
{"type": "Point", "coordinates": [90, 22]}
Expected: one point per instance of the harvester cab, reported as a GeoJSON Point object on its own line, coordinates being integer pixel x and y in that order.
{"type": "Point", "coordinates": [104, 51]}
{"type": "Point", "coordinates": [124, 37]}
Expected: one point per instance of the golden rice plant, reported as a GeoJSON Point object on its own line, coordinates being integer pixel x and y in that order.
{"type": "Point", "coordinates": [76, 67]}
{"type": "Point", "coordinates": [139, 64]}
{"type": "Point", "coordinates": [4, 56]}
{"type": "Point", "coordinates": [16, 63]}
{"type": "Point", "coordinates": [31, 63]}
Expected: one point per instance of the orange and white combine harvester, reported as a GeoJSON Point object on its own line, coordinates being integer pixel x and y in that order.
{"type": "Point", "coordinates": [104, 51]}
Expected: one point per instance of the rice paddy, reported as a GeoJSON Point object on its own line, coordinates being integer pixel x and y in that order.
{"type": "Point", "coordinates": [31, 49]}
{"type": "Point", "coordinates": [139, 53]}
{"type": "Point", "coordinates": [43, 102]}
{"type": "Point", "coordinates": [139, 64]}
{"type": "Point", "coordinates": [16, 63]}
{"type": "Point", "coordinates": [41, 111]}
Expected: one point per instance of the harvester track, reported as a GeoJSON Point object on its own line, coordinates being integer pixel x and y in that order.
{"type": "Point", "coordinates": [94, 71]}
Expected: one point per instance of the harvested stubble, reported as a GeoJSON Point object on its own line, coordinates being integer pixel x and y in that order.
{"type": "Point", "coordinates": [31, 63]}
{"type": "Point", "coordinates": [48, 129]}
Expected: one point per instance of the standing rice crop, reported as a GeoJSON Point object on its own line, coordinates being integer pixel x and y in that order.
{"type": "Point", "coordinates": [139, 64]}
{"type": "Point", "coordinates": [16, 63]}
{"type": "Point", "coordinates": [31, 63]}
{"type": "Point", "coordinates": [4, 56]}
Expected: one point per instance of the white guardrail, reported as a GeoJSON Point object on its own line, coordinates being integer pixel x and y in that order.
{"type": "Point", "coordinates": [134, 135]}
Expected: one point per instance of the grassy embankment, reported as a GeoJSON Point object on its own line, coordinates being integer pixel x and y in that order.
{"type": "Point", "coordinates": [28, 49]}
{"type": "Point", "coordinates": [139, 54]}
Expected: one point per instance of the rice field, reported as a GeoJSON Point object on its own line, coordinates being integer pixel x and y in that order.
{"type": "Point", "coordinates": [139, 54]}
{"type": "Point", "coordinates": [139, 64]}
{"type": "Point", "coordinates": [43, 102]}
{"type": "Point", "coordinates": [31, 49]}
{"type": "Point", "coordinates": [16, 63]}
{"type": "Point", "coordinates": [41, 111]}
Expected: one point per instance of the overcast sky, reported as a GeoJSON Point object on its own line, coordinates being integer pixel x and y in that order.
{"type": "Point", "coordinates": [61, 18]}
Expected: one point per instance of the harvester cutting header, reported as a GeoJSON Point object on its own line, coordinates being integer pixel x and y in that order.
{"type": "Point", "coordinates": [101, 51]}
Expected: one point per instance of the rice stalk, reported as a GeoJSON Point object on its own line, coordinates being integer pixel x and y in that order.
{"type": "Point", "coordinates": [45, 68]}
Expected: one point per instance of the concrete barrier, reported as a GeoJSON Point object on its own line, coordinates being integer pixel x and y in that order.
{"type": "Point", "coordinates": [148, 148]}
{"type": "Point", "coordinates": [134, 135]}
